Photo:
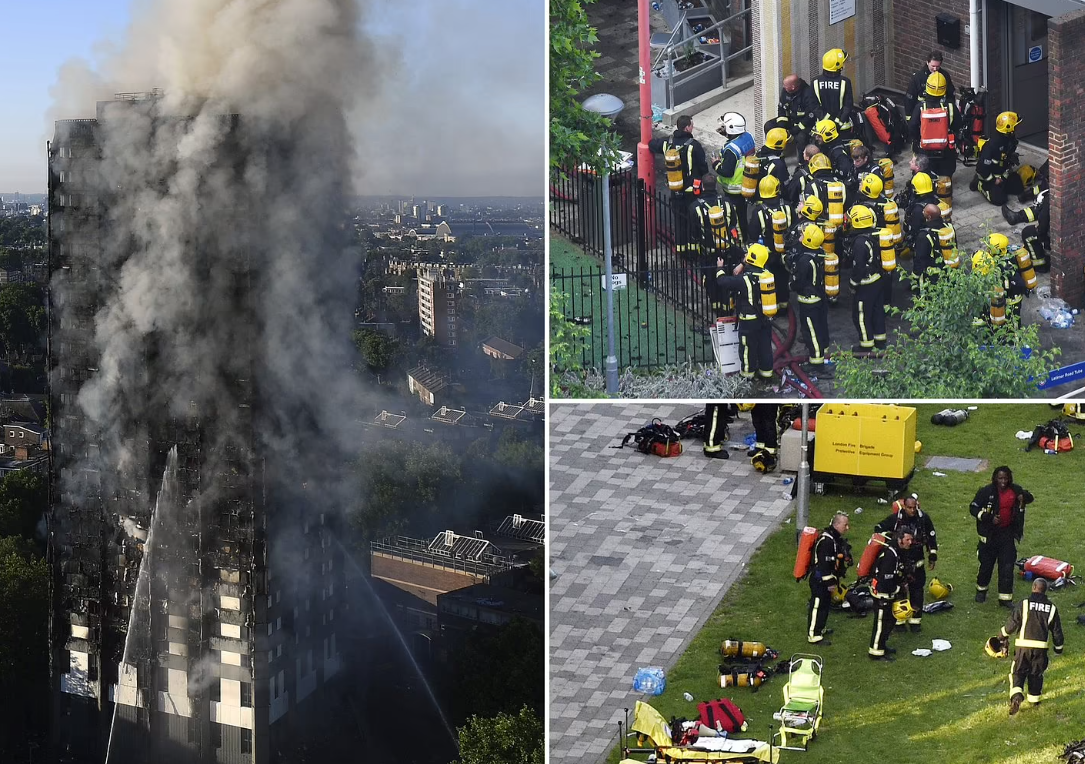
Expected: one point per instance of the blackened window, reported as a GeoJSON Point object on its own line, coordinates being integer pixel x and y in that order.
{"type": "Point", "coordinates": [216, 735]}
{"type": "Point", "coordinates": [246, 694]}
{"type": "Point", "coordinates": [246, 741]}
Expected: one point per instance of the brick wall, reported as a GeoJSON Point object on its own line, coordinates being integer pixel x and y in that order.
{"type": "Point", "coordinates": [914, 35]}
{"type": "Point", "coordinates": [1066, 96]}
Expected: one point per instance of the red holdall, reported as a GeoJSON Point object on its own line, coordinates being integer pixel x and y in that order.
{"type": "Point", "coordinates": [880, 128]}
{"type": "Point", "coordinates": [722, 715]}
{"type": "Point", "coordinates": [1045, 567]}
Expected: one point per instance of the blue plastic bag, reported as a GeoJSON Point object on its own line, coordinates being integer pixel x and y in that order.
{"type": "Point", "coordinates": [650, 681]}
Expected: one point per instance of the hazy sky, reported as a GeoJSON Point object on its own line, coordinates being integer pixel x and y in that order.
{"type": "Point", "coordinates": [462, 111]}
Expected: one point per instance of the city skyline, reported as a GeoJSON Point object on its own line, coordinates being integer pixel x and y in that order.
{"type": "Point", "coordinates": [438, 118]}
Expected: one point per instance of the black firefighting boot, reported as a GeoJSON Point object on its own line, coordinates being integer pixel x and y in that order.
{"type": "Point", "coordinates": [1013, 218]}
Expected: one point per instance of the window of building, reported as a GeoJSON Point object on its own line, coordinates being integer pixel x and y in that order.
{"type": "Point", "coordinates": [331, 615]}
{"type": "Point", "coordinates": [216, 735]}
{"type": "Point", "coordinates": [270, 629]}
{"type": "Point", "coordinates": [246, 694]}
{"type": "Point", "coordinates": [216, 691]}
{"type": "Point", "coordinates": [279, 623]}
{"type": "Point", "coordinates": [246, 741]}
{"type": "Point", "coordinates": [279, 651]}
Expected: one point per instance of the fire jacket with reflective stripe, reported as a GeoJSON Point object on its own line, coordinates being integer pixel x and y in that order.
{"type": "Point", "coordinates": [747, 287]}
{"type": "Point", "coordinates": [995, 159]}
{"type": "Point", "coordinates": [833, 92]}
{"type": "Point", "coordinates": [868, 260]}
{"type": "Point", "coordinates": [1035, 623]}
{"type": "Point", "coordinates": [830, 554]}
{"type": "Point", "coordinates": [807, 268]}
{"type": "Point", "coordinates": [921, 527]}
{"type": "Point", "coordinates": [888, 572]}
{"type": "Point", "coordinates": [985, 509]}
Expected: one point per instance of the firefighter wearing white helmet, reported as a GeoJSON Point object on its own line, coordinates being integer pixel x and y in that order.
{"type": "Point", "coordinates": [834, 92]}
{"type": "Point", "coordinates": [998, 174]}
{"type": "Point", "coordinates": [868, 308]}
{"type": "Point", "coordinates": [754, 327]}
{"type": "Point", "coordinates": [807, 265]}
{"type": "Point", "coordinates": [923, 554]}
{"type": "Point", "coordinates": [731, 162]}
{"type": "Point", "coordinates": [888, 581]}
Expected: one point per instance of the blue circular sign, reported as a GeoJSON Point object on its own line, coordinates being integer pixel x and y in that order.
{"type": "Point", "coordinates": [1035, 54]}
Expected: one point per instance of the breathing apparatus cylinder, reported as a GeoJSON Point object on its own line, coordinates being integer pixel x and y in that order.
{"type": "Point", "coordinates": [836, 203]}
{"type": "Point", "coordinates": [889, 250]}
{"type": "Point", "coordinates": [870, 554]}
{"type": "Point", "coordinates": [805, 552]}
{"type": "Point", "coordinates": [733, 648]}
{"type": "Point", "coordinates": [943, 187]}
{"type": "Point", "coordinates": [947, 241]}
{"type": "Point", "coordinates": [886, 166]}
{"type": "Point", "coordinates": [676, 178]}
{"type": "Point", "coordinates": [768, 292]}
{"type": "Point", "coordinates": [832, 275]}
{"type": "Point", "coordinates": [998, 307]}
{"type": "Point", "coordinates": [750, 174]}
{"type": "Point", "coordinates": [1024, 266]}
{"type": "Point", "coordinates": [892, 222]}
{"type": "Point", "coordinates": [779, 228]}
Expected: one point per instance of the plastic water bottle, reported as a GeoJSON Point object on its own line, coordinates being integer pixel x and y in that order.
{"type": "Point", "coordinates": [687, 696]}
{"type": "Point", "coordinates": [1049, 451]}
{"type": "Point", "coordinates": [789, 481]}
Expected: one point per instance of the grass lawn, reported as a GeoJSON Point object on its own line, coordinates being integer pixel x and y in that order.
{"type": "Point", "coordinates": [951, 706]}
{"type": "Point", "coordinates": [647, 331]}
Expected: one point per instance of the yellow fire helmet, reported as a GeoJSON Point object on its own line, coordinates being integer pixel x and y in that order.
{"type": "Point", "coordinates": [777, 139]}
{"type": "Point", "coordinates": [922, 184]}
{"type": "Point", "coordinates": [997, 243]}
{"type": "Point", "coordinates": [996, 647]}
{"type": "Point", "coordinates": [769, 187]}
{"type": "Point", "coordinates": [872, 186]}
{"type": "Point", "coordinates": [757, 254]}
{"type": "Point", "coordinates": [938, 590]}
{"type": "Point", "coordinates": [936, 84]}
{"type": "Point", "coordinates": [982, 262]}
{"type": "Point", "coordinates": [811, 208]}
{"type": "Point", "coordinates": [1007, 122]}
{"type": "Point", "coordinates": [903, 610]}
{"type": "Point", "coordinates": [1027, 173]}
{"type": "Point", "coordinates": [833, 60]}
{"type": "Point", "coordinates": [839, 592]}
{"type": "Point", "coordinates": [826, 130]}
{"type": "Point", "coordinates": [820, 163]}
{"type": "Point", "coordinates": [861, 217]}
{"type": "Point", "coordinates": [812, 236]}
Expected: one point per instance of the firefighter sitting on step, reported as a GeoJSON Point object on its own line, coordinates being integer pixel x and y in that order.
{"type": "Point", "coordinates": [830, 562]}
{"type": "Point", "coordinates": [997, 173]}
{"type": "Point", "coordinates": [886, 586]}
{"type": "Point", "coordinates": [754, 326]}
{"type": "Point", "coordinates": [1034, 624]}
{"type": "Point", "coordinates": [906, 514]}
{"type": "Point", "coordinates": [770, 218]}
{"type": "Point", "coordinates": [868, 308]}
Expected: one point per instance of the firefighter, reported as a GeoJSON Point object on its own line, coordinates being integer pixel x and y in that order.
{"type": "Point", "coordinates": [922, 194]}
{"type": "Point", "coordinates": [906, 514]}
{"type": "Point", "coordinates": [889, 572]}
{"type": "Point", "coordinates": [928, 261]}
{"type": "Point", "coordinates": [795, 112]}
{"type": "Point", "coordinates": [771, 156]}
{"type": "Point", "coordinates": [766, 427]}
{"type": "Point", "coordinates": [1036, 237]}
{"type": "Point", "coordinates": [1036, 624]}
{"type": "Point", "coordinates": [995, 176]}
{"type": "Point", "coordinates": [864, 166]}
{"type": "Point", "coordinates": [754, 327]}
{"type": "Point", "coordinates": [719, 233]}
{"type": "Point", "coordinates": [834, 93]}
{"type": "Point", "coordinates": [870, 196]}
{"type": "Point", "coordinates": [832, 556]}
{"type": "Point", "coordinates": [807, 267]}
{"type": "Point", "coordinates": [803, 183]}
{"type": "Point", "coordinates": [729, 166]}
{"type": "Point", "coordinates": [999, 509]}
{"type": "Point", "coordinates": [868, 309]}
{"type": "Point", "coordinates": [995, 254]}
{"type": "Point", "coordinates": [933, 122]}
{"type": "Point", "coordinates": [827, 136]}
{"type": "Point", "coordinates": [717, 416]}
{"type": "Point", "coordinates": [763, 230]}
{"type": "Point", "coordinates": [921, 77]}
{"type": "Point", "coordinates": [694, 167]}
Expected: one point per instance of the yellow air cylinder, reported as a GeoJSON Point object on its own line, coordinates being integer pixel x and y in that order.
{"type": "Point", "coordinates": [672, 159]}
{"type": "Point", "coordinates": [829, 245]}
{"type": "Point", "coordinates": [1024, 265]}
{"type": "Point", "coordinates": [768, 293]}
{"type": "Point", "coordinates": [741, 680]}
{"type": "Point", "coordinates": [889, 250]}
{"type": "Point", "coordinates": [886, 165]}
{"type": "Point", "coordinates": [946, 208]}
{"type": "Point", "coordinates": [832, 276]}
{"type": "Point", "coordinates": [944, 188]}
{"type": "Point", "coordinates": [750, 174]}
{"type": "Point", "coordinates": [836, 203]}
{"type": "Point", "coordinates": [717, 223]}
{"type": "Point", "coordinates": [892, 221]}
{"type": "Point", "coordinates": [947, 240]}
{"type": "Point", "coordinates": [779, 228]}
{"type": "Point", "coordinates": [733, 648]}
{"type": "Point", "coordinates": [998, 307]}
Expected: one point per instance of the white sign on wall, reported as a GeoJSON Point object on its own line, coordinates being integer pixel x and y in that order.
{"type": "Point", "coordinates": [620, 280]}
{"type": "Point", "coordinates": [840, 10]}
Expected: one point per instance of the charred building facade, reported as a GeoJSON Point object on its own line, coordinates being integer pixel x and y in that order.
{"type": "Point", "coordinates": [194, 582]}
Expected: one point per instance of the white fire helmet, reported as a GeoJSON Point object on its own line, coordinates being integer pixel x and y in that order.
{"type": "Point", "coordinates": [734, 124]}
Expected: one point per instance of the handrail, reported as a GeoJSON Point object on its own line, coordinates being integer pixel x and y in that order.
{"type": "Point", "coordinates": [670, 41]}
{"type": "Point", "coordinates": [704, 32]}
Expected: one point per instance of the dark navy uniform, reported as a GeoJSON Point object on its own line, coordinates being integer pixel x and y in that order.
{"type": "Point", "coordinates": [1034, 624]}
{"type": "Point", "coordinates": [827, 569]}
{"type": "Point", "coordinates": [924, 550]}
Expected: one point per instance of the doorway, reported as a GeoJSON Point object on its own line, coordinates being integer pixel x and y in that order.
{"type": "Point", "coordinates": [1026, 57]}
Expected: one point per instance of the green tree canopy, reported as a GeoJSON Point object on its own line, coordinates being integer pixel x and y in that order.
{"type": "Point", "coordinates": [945, 354]}
{"type": "Point", "coordinates": [23, 499]}
{"type": "Point", "coordinates": [22, 317]}
{"type": "Point", "coordinates": [24, 605]}
{"type": "Point", "coordinates": [503, 739]}
{"type": "Point", "coordinates": [495, 671]}
{"type": "Point", "coordinates": [378, 349]}
{"type": "Point", "coordinates": [576, 135]}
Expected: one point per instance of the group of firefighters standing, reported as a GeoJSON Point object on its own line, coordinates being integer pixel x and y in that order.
{"type": "Point", "coordinates": [897, 579]}
{"type": "Point", "coordinates": [766, 238]}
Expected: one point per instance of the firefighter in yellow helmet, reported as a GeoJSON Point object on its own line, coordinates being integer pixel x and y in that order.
{"type": "Point", "coordinates": [868, 308]}
{"type": "Point", "coordinates": [754, 327]}
{"type": "Point", "coordinates": [1035, 624]}
{"type": "Point", "coordinates": [810, 177]}
{"type": "Point", "coordinates": [771, 156]}
{"type": "Point", "coordinates": [921, 193]}
{"type": "Point", "coordinates": [828, 137]}
{"type": "Point", "coordinates": [871, 196]}
{"type": "Point", "coordinates": [998, 175]}
{"type": "Point", "coordinates": [933, 124]}
{"type": "Point", "coordinates": [766, 228]}
{"type": "Point", "coordinates": [918, 83]}
{"type": "Point", "coordinates": [834, 92]}
{"type": "Point", "coordinates": [888, 582]}
{"type": "Point", "coordinates": [995, 255]}
{"type": "Point", "coordinates": [806, 263]}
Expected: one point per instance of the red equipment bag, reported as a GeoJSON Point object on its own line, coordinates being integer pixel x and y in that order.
{"type": "Point", "coordinates": [934, 128]}
{"type": "Point", "coordinates": [807, 541]}
{"type": "Point", "coordinates": [722, 715]}
{"type": "Point", "coordinates": [811, 424]}
{"type": "Point", "coordinates": [1046, 567]}
{"type": "Point", "coordinates": [870, 554]}
{"type": "Point", "coordinates": [880, 128]}
{"type": "Point", "coordinates": [666, 449]}
{"type": "Point", "coordinates": [1057, 444]}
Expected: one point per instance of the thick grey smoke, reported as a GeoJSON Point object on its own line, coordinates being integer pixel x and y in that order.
{"type": "Point", "coordinates": [226, 266]}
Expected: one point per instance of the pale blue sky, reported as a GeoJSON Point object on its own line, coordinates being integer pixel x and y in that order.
{"type": "Point", "coordinates": [473, 86]}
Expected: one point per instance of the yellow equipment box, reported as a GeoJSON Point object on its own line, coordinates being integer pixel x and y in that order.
{"type": "Point", "coordinates": [873, 440]}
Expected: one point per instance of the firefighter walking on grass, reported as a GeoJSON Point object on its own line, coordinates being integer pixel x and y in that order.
{"type": "Point", "coordinates": [906, 515]}
{"type": "Point", "coordinates": [999, 509]}
{"type": "Point", "coordinates": [1035, 624]}
{"type": "Point", "coordinates": [830, 562]}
